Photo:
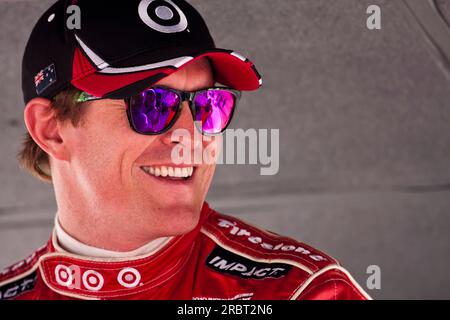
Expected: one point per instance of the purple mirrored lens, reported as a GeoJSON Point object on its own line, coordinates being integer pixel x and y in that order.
{"type": "Point", "coordinates": [153, 110]}
{"type": "Point", "coordinates": [214, 108]}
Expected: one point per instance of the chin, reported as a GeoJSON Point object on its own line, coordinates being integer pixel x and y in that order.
{"type": "Point", "coordinates": [178, 220]}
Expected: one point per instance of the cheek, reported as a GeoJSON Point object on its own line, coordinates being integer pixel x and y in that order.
{"type": "Point", "coordinates": [211, 149]}
{"type": "Point", "coordinates": [106, 152]}
{"type": "Point", "coordinates": [96, 157]}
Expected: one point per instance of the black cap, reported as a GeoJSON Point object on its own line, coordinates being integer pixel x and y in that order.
{"type": "Point", "coordinates": [123, 47]}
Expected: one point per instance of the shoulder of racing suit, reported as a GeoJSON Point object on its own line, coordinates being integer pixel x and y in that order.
{"type": "Point", "coordinates": [301, 271]}
{"type": "Point", "coordinates": [21, 278]}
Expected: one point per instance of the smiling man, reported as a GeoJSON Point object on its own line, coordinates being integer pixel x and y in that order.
{"type": "Point", "coordinates": [102, 104]}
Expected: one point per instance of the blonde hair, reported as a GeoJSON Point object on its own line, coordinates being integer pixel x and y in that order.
{"type": "Point", "coordinates": [31, 157]}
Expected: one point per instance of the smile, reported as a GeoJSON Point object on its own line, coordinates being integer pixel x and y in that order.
{"type": "Point", "coordinates": [169, 172]}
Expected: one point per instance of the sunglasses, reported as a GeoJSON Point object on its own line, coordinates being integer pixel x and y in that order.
{"type": "Point", "coordinates": [156, 109]}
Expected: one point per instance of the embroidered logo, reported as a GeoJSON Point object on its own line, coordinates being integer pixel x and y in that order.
{"type": "Point", "coordinates": [163, 16]}
{"type": "Point", "coordinates": [224, 261]}
{"type": "Point", "coordinates": [45, 78]}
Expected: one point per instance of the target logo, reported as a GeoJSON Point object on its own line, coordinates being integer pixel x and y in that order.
{"type": "Point", "coordinates": [129, 277]}
{"type": "Point", "coordinates": [92, 280]}
{"type": "Point", "coordinates": [63, 275]}
{"type": "Point", "coordinates": [163, 16]}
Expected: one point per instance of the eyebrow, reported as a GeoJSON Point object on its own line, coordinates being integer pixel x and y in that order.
{"type": "Point", "coordinates": [215, 84]}
{"type": "Point", "coordinates": [85, 97]}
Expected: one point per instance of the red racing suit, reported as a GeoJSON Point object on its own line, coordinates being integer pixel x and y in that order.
{"type": "Point", "coordinates": [222, 258]}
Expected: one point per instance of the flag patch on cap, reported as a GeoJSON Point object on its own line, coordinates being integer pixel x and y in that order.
{"type": "Point", "coordinates": [45, 78]}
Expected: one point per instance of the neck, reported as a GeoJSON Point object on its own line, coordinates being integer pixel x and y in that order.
{"type": "Point", "coordinates": [70, 244]}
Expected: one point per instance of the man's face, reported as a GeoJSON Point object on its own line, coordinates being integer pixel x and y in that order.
{"type": "Point", "coordinates": [107, 159]}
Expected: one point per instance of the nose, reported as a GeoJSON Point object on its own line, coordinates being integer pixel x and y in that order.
{"type": "Point", "coordinates": [185, 122]}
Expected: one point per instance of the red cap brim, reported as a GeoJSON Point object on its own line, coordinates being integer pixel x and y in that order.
{"type": "Point", "coordinates": [231, 70]}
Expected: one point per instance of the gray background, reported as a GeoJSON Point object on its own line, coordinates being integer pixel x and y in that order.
{"type": "Point", "coordinates": [364, 123]}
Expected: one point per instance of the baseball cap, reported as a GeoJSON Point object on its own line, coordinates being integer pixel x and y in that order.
{"type": "Point", "coordinates": [123, 47]}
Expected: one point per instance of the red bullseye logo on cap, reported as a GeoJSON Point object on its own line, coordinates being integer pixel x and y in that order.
{"type": "Point", "coordinates": [93, 280]}
{"type": "Point", "coordinates": [163, 16]}
{"type": "Point", "coordinates": [129, 277]}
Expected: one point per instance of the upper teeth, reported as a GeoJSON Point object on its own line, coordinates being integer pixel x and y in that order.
{"type": "Point", "coordinates": [169, 171]}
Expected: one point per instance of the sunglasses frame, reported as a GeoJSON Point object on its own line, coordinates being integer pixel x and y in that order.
{"type": "Point", "coordinates": [188, 96]}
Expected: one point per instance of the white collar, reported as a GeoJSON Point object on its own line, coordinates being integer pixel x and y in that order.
{"type": "Point", "coordinates": [74, 246]}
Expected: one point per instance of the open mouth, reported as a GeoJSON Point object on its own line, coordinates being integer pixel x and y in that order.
{"type": "Point", "coordinates": [170, 173]}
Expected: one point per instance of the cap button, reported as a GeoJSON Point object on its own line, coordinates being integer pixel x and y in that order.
{"type": "Point", "coordinates": [164, 13]}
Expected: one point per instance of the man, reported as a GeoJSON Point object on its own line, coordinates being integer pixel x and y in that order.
{"type": "Point", "coordinates": [103, 102]}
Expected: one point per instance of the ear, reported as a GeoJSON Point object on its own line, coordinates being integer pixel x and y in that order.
{"type": "Point", "coordinates": [44, 128]}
